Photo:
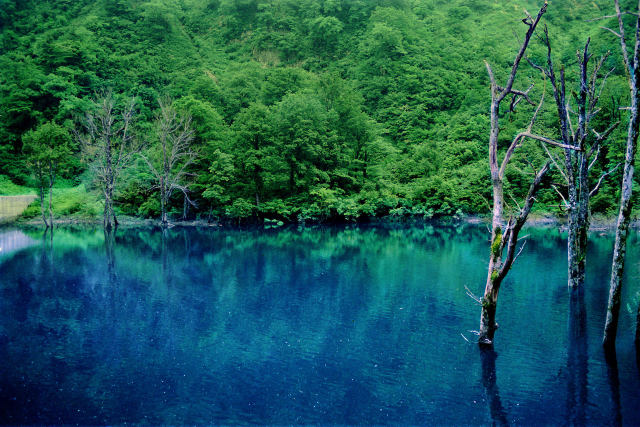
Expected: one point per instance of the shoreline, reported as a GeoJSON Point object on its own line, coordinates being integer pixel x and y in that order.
{"type": "Point", "coordinates": [598, 223]}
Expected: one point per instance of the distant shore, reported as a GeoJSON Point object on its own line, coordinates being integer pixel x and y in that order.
{"type": "Point", "coordinates": [598, 223]}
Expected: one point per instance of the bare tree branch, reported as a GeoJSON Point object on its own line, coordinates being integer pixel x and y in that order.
{"type": "Point", "coordinates": [613, 32]}
{"type": "Point", "coordinates": [175, 136]}
{"type": "Point", "coordinates": [108, 146]}
{"type": "Point", "coordinates": [555, 163]}
{"type": "Point", "coordinates": [561, 196]}
{"type": "Point", "coordinates": [600, 18]}
{"type": "Point", "coordinates": [595, 189]}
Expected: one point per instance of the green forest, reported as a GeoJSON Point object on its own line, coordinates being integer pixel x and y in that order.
{"type": "Point", "coordinates": [286, 110]}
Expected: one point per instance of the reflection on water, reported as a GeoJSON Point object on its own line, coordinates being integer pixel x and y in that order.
{"type": "Point", "coordinates": [334, 325]}
{"type": "Point", "coordinates": [577, 359]}
{"type": "Point", "coordinates": [490, 384]}
{"type": "Point", "coordinates": [12, 241]}
{"type": "Point", "coordinates": [614, 382]}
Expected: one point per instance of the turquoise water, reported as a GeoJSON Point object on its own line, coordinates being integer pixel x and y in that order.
{"type": "Point", "coordinates": [336, 325]}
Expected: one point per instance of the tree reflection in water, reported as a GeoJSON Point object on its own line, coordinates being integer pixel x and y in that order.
{"type": "Point", "coordinates": [489, 382]}
{"type": "Point", "coordinates": [614, 383]}
{"type": "Point", "coordinates": [577, 358]}
{"type": "Point", "coordinates": [325, 325]}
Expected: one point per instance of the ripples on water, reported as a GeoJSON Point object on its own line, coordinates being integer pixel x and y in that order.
{"type": "Point", "coordinates": [330, 325]}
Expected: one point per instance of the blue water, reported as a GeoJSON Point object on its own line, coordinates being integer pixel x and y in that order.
{"type": "Point", "coordinates": [337, 325]}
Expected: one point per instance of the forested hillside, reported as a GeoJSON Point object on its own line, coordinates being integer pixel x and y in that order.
{"type": "Point", "coordinates": [301, 109]}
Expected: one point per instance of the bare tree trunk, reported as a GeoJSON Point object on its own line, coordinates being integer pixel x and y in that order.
{"type": "Point", "coordinates": [505, 236]}
{"type": "Point", "coordinates": [620, 246]}
{"type": "Point", "coordinates": [108, 211]}
{"type": "Point", "coordinates": [175, 135]}
{"type": "Point", "coordinates": [581, 204]}
{"type": "Point", "coordinates": [579, 221]}
{"type": "Point", "coordinates": [50, 210]}
{"type": "Point", "coordinates": [577, 161]}
{"type": "Point", "coordinates": [163, 203]}
{"type": "Point", "coordinates": [51, 179]}
{"type": "Point", "coordinates": [185, 208]}
{"type": "Point", "coordinates": [163, 182]}
{"type": "Point", "coordinates": [624, 215]}
{"type": "Point", "coordinates": [42, 211]}
{"type": "Point", "coordinates": [109, 178]}
{"type": "Point", "coordinates": [499, 267]}
{"type": "Point", "coordinates": [109, 147]}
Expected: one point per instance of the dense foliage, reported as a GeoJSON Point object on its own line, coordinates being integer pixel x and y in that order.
{"type": "Point", "coordinates": [302, 109]}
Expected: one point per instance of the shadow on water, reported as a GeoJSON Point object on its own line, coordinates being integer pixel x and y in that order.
{"type": "Point", "coordinates": [577, 359]}
{"type": "Point", "coordinates": [614, 383]}
{"type": "Point", "coordinates": [489, 382]}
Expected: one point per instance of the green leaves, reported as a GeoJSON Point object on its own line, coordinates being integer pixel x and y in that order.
{"type": "Point", "coordinates": [318, 108]}
{"type": "Point", "coordinates": [48, 142]}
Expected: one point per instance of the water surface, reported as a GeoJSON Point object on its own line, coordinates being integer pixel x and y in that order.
{"type": "Point", "coordinates": [337, 325]}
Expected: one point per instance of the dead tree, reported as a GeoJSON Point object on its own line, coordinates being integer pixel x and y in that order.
{"type": "Point", "coordinates": [632, 65]}
{"type": "Point", "coordinates": [578, 163]}
{"type": "Point", "coordinates": [504, 237]}
{"type": "Point", "coordinates": [170, 168]}
{"type": "Point", "coordinates": [108, 146]}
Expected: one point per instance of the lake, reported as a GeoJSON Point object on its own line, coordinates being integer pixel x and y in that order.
{"type": "Point", "coordinates": [327, 325]}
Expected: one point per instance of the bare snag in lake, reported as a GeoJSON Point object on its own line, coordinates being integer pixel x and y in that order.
{"type": "Point", "coordinates": [583, 146]}
{"type": "Point", "coordinates": [505, 236]}
{"type": "Point", "coordinates": [632, 65]}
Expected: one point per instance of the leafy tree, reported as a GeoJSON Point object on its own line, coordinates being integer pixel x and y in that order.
{"type": "Point", "coordinates": [48, 150]}
{"type": "Point", "coordinates": [256, 161]}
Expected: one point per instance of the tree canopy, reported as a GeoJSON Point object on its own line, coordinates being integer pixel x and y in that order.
{"type": "Point", "coordinates": [305, 109]}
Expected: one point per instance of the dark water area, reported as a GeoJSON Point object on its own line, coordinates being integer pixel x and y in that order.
{"type": "Point", "coordinates": [337, 325]}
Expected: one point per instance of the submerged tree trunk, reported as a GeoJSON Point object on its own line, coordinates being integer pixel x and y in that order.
{"type": "Point", "coordinates": [619, 250]}
{"type": "Point", "coordinates": [505, 236]}
{"type": "Point", "coordinates": [579, 221]}
{"type": "Point", "coordinates": [499, 266]}
{"type": "Point", "coordinates": [624, 215]}
{"type": "Point", "coordinates": [578, 158]}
